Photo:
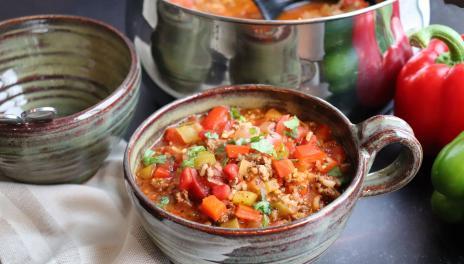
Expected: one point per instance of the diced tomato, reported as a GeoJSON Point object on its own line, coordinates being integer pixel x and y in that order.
{"type": "Point", "coordinates": [309, 151]}
{"type": "Point", "coordinates": [198, 189]}
{"type": "Point", "coordinates": [233, 151]}
{"type": "Point", "coordinates": [247, 213]}
{"type": "Point", "coordinates": [222, 192]}
{"type": "Point", "coordinates": [323, 132]}
{"type": "Point", "coordinates": [172, 135]}
{"type": "Point", "coordinates": [290, 147]}
{"type": "Point", "coordinates": [283, 167]}
{"type": "Point", "coordinates": [280, 128]}
{"type": "Point", "coordinates": [302, 132]}
{"type": "Point", "coordinates": [213, 207]}
{"type": "Point", "coordinates": [231, 171]}
{"type": "Point", "coordinates": [186, 178]}
{"type": "Point", "coordinates": [216, 119]}
{"type": "Point", "coordinates": [161, 173]}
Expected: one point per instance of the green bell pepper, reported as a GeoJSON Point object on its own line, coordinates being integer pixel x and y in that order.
{"type": "Point", "coordinates": [448, 181]}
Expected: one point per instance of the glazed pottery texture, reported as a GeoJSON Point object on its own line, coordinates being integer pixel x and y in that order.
{"type": "Point", "coordinates": [300, 241]}
{"type": "Point", "coordinates": [85, 69]}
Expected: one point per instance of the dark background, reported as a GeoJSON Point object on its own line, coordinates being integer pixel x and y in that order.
{"type": "Point", "coordinates": [393, 228]}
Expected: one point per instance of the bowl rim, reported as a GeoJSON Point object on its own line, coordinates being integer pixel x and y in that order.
{"type": "Point", "coordinates": [353, 191]}
{"type": "Point", "coordinates": [281, 22]}
{"type": "Point", "coordinates": [125, 87]}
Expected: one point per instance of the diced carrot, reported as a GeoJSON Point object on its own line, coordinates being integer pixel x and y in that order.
{"type": "Point", "coordinates": [172, 135]}
{"type": "Point", "coordinates": [309, 151]}
{"type": "Point", "coordinates": [216, 119]}
{"type": "Point", "coordinates": [161, 172]}
{"type": "Point", "coordinates": [283, 167]}
{"type": "Point", "coordinates": [213, 207]}
{"type": "Point", "coordinates": [234, 150]}
{"type": "Point", "coordinates": [247, 213]}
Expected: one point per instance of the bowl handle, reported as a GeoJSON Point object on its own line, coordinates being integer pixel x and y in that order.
{"type": "Point", "coordinates": [374, 134]}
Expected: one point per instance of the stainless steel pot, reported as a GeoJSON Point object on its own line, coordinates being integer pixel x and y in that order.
{"type": "Point", "coordinates": [351, 60]}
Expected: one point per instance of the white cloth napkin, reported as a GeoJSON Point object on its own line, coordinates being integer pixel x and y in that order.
{"type": "Point", "coordinates": [89, 223]}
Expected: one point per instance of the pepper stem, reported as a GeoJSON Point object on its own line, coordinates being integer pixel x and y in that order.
{"type": "Point", "coordinates": [449, 36]}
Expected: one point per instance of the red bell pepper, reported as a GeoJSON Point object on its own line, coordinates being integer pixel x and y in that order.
{"type": "Point", "coordinates": [377, 73]}
{"type": "Point", "coordinates": [430, 87]}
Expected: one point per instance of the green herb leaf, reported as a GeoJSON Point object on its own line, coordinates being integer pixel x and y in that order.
{"type": "Point", "coordinates": [292, 123]}
{"type": "Point", "coordinates": [256, 139]}
{"type": "Point", "coordinates": [149, 159]}
{"type": "Point", "coordinates": [211, 135]}
{"type": "Point", "coordinates": [242, 141]}
{"type": "Point", "coordinates": [253, 130]}
{"type": "Point", "coordinates": [265, 221]}
{"type": "Point", "coordinates": [224, 161]}
{"type": "Point", "coordinates": [263, 146]}
{"type": "Point", "coordinates": [335, 172]}
{"type": "Point", "coordinates": [235, 113]}
{"type": "Point", "coordinates": [264, 207]}
{"type": "Point", "coordinates": [163, 201]}
{"type": "Point", "coordinates": [293, 133]}
{"type": "Point", "coordinates": [221, 149]}
{"type": "Point", "coordinates": [188, 163]}
{"type": "Point", "coordinates": [193, 151]}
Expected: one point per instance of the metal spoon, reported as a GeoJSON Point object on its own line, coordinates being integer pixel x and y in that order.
{"type": "Point", "coordinates": [271, 9]}
{"type": "Point", "coordinates": [35, 115]}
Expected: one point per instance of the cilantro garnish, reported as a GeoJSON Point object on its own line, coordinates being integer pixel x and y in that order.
{"type": "Point", "coordinates": [192, 153]}
{"type": "Point", "coordinates": [263, 146]}
{"type": "Point", "coordinates": [241, 141]}
{"type": "Point", "coordinates": [292, 123]}
{"type": "Point", "coordinates": [163, 201]}
{"type": "Point", "coordinates": [335, 172]}
{"type": "Point", "coordinates": [264, 207]}
{"type": "Point", "coordinates": [149, 159]}
{"type": "Point", "coordinates": [211, 135]}
{"type": "Point", "coordinates": [293, 133]}
{"type": "Point", "coordinates": [235, 113]}
{"type": "Point", "coordinates": [253, 130]}
{"type": "Point", "coordinates": [265, 221]}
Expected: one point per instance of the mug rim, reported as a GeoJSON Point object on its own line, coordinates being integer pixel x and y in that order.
{"type": "Point", "coordinates": [352, 191]}
{"type": "Point", "coordinates": [127, 85]}
{"type": "Point", "coordinates": [249, 21]}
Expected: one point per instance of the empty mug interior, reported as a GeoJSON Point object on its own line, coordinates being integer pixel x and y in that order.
{"type": "Point", "coordinates": [70, 65]}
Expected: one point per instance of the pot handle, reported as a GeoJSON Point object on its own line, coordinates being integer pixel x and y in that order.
{"type": "Point", "coordinates": [376, 133]}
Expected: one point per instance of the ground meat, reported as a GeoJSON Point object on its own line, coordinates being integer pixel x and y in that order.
{"type": "Point", "coordinates": [182, 197]}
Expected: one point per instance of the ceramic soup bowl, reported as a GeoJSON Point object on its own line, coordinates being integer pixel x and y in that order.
{"type": "Point", "coordinates": [87, 71]}
{"type": "Point", "coordinates": [300, 241]}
